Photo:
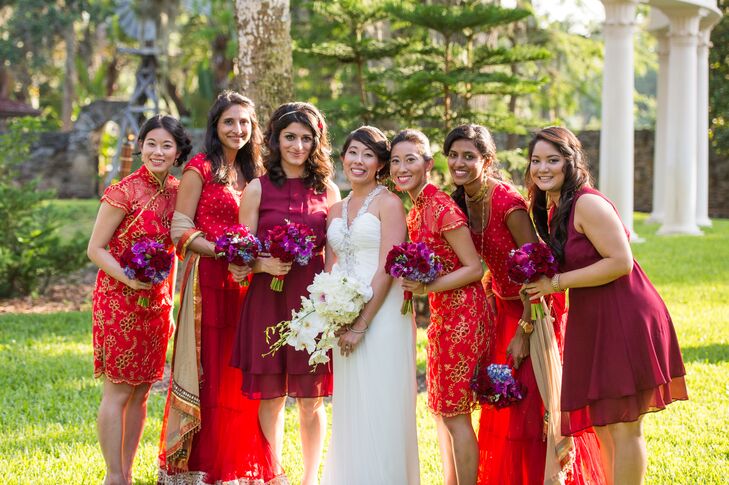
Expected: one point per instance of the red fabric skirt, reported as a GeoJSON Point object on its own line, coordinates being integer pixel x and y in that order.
{"type": "Point", "coordinates": [511, 445]}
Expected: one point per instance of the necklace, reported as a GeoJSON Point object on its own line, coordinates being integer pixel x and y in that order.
{"type": "Point", "coordinates": [482, 191]}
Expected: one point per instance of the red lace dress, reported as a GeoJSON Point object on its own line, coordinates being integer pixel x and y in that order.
{"type": "Point", "coordinates": [229, 446]}
{"type": "Point", "coordinates": [130, 341]}
{"type": "Point", "coordinates": [512, 448]}
{"type": "Point", "coordinates": [458, 317]}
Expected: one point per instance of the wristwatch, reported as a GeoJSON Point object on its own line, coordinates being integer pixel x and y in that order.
{"type": "Point", "coordinates": [527, 327]}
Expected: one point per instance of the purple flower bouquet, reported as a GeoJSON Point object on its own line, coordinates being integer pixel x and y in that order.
{"type": "Point", "coordinates": [147, 261]}
{"type": "Point", "coordinates": [238, 246]}
{"type": "Point", "coordinates": [529, 263]}
{"type": "Point", "coordinates": [290, 242]}
{"type": "Point", "coordinates": [499, 389]}
{"type": "Point", "coordinates": [414, 261]}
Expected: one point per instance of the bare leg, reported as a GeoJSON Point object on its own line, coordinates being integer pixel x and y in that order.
{"type": "Point", "coordinates": [271, 417]}
{"type": "Point", "coordinates": [465, 447]}
{"type": "Point", "coordinates": [607, 452]}
{"type": "Point", "coordinates": [313, 426]}
{"type": "Point", "coordinates": [110, 426]}
{"type": "Point", "coordinates": [134, 417]}
{"type": "Point", "coordinates": [631, 457]}
{"type": "Point", "coordinates": [445, 445]}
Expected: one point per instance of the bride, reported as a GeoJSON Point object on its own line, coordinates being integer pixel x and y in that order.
{"type": "Point", "coordinates": [374, 438]}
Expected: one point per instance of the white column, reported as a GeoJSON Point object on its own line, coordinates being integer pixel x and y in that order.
{"type": "Point", "coordinates": [616, 134]}
{"type": "Point", "coordinates": [659, 149]}
{"type": "Point", "coordinates": [702, 133]}
{"type": "Point", "coordinates": [680, 215]}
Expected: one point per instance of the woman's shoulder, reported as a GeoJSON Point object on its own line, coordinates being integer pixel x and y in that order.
{"type": "Point", "coordinates": [200, 164]}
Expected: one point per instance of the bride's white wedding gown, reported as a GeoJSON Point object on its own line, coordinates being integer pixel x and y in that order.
{"type": "Point", "coordinates": [374, 434]}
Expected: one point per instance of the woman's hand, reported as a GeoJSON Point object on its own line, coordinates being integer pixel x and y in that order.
{"type": "Point", "coordinates": [239, 273]}
{"type": "Point", "coordinates": [273, 266]}
{"type": "Point", "coordinates": [537, 289]}
{"type": "Point", "coordinates": [136, 284]}
{"type": "Point", "coordinates": [348, 342]}
{"type": "Point", "coordinates": [518, 348]}
{"type": "Point", "coordinates": [415, 287]}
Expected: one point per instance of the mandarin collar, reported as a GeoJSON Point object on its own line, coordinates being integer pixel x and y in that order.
{"type": "Point", "coordinates": [425, 193]}
{"type": "Point", "coordinates": [149, 176]}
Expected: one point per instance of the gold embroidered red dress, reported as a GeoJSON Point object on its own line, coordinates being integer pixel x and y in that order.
{"type": "Point", "coordinates": [130, 341]}
{"type": "Point", "coordinates": [458, 317]}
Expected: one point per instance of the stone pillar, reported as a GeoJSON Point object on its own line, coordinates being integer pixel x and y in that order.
{"type": "Point", "coordinates": [616, 135]}
{"type": "Point", "coordinates": [659, 153]}
{"type": "Point", "coordinates": [702, 133]}
{"type": "Point", "coordinates": [680, 208]}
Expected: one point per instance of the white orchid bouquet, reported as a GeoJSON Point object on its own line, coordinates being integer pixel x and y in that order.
{"type": "Point", "coordinates": [335, 300]}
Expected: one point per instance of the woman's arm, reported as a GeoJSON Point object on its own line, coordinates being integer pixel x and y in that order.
{"type": "Point", "coordinates": [107, 221]}
{"type": "Point", "coordinates": [393, 231]}
{"type": "Point", "coordinates": [329, 257]}
{"type": "Point", "coordinates": [188, 197]}
{"type": "Point", "coordinates": [596, 219]}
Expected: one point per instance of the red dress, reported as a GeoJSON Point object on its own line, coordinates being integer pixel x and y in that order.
{"type": "Point", "coordinates": [288, 371]}
{"type": "Point", "coordinates": [621, 355]}
{"type": "Point", "coordinates": [230, 444]}
{"type": "Point", "coordinates": [130, 341]}
{"type": "Point", "coordinates": [512, 448]}
{"type": "Point", "coordinates": [458, 318]}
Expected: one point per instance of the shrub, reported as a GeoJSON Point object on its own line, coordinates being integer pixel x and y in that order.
{"type": "Point", "coordinates": [31, 250]}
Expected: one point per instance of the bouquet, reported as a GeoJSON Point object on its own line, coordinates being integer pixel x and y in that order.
{"type": "Point", "coordinates": [335, 300]}
{"type": "Point", "coordinates": [290, 242]}
{"type": "Point", "coordinates": [500, 389]}
{"type": "Point", "coordinates": [529, 263]}
{"type": "Point", "coordinates": [414, 261]}
{"type": "Point", "coordinates": [238, 246]}
{"type": "Point", "coordinates": [147, 261]}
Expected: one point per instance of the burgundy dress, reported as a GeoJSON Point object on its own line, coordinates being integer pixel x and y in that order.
{"type": "Point", "coordinates": [511, 445]}
{"type": "Point", "coordinates": [287, 372]}
{"type": "Point", "coordinates": [621, 355]}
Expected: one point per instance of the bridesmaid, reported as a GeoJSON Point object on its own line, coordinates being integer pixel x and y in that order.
{"type": "Point", "coordinates": [621, 355]}
{"type": "Point", "coordinates": [130, 341]}
{"type": "Point", "coordinates": [297, 188]}
{"type": "Point", "coordinates": [210, 433]}
{"type": "Point", "coordinates": [458, 309]}
{"type": "Point", "coordinates": [511, 442]}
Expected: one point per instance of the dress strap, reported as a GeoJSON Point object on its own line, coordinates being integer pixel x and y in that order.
{"type": "Point", "coordinates": [365, 205]}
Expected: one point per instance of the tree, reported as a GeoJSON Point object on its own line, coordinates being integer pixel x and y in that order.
{"type": "Point", "coordinates": [719, 82]}
{"type": "Point", "coordinates": [264, 53]}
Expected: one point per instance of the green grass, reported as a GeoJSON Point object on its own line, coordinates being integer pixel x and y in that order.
{"type": "Point", "coordinates": [49, 399]}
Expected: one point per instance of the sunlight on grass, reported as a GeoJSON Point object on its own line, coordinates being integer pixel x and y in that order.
{"type": "Point", "coordinates": [49, 400]}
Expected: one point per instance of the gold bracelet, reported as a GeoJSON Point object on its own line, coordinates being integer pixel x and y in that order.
{"type": "Point", "coordinates": [527, 327]}
{"type": "Point", "coordinates": [555, 283]}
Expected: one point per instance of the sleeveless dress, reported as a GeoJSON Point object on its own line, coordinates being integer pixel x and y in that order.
{"type": "Point", "coordinates": [374, 435]}
{"type": "Point", "coordinates": [230, 446]}
{"type": "Point", "coordinates": [459, 318]}
{"type": "Point", "coordinates": [130, 341]}
{"type": "Point", "coordinates": [511, 445]}
{"type": "Point", "coordinates": [288, 371]}
{"type": "Point", "coordinates": [621, 355]}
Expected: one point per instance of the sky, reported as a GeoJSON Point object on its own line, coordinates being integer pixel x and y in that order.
{"type": "Point", "coordinates": [579, 12]}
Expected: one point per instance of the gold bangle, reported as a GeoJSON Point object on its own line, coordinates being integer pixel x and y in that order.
{"type": "Point", "coordinates": [555, 283]}
{"type": "Point", "coordinates": [527, 327]}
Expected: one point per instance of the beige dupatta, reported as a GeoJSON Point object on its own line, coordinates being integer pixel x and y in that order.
{"type": "Point", "coordinates": [547, 366]}
{"type": "Point", "coordinates": [182, 411]}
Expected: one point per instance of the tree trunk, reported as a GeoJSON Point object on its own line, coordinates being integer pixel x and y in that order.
{"type": "Point", "coordinates": [69, 83]}
{"type": "Point", "coordinates": [264, 53]}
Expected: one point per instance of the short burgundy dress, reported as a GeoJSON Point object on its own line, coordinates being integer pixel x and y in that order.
{"type": "Point", "coordinates": [288, 371]}
{"type": "Point", "coordinates": [621, 355]}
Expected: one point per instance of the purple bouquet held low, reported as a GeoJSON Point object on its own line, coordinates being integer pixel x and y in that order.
{"type": "Point", "coordinates": [413, 261]}
{"type": "Point", "coordinates": [290, 242]}
{"type": "Point", "coordinates": [529, 263]}
{"type": "Point", "coordinates": [500, 389]}
{"type": "Point", "coordinates": [147, 261]}
{"type": "Point", "coordinates": [237, 245]}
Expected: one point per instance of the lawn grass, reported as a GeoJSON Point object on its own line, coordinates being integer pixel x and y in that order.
{"type": "Point", "coordinates": [49, 400]}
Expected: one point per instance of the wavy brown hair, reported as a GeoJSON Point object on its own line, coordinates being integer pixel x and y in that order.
{"type": "Point", "coordinates": [481, 137]}
{"type": "Point", "coordinates": [576, 176]}
{"type": "Point", "coordinates": [375, 140]}
{"type": "Point", "coordinates": [318, 166]}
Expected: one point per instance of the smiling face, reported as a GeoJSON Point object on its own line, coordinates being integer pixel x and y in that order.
{"type": "Point", "coordinates": [159, 152]}
{"type": "Point", "coordinates": [234, 129]}
{"type": "Point", "coordinates": [296, 142]}
{"type": "Point", "coordinates": [546, 168]}
{"type": "Point", "coordinates": [408, 168]}
{"type": "Point", "coordinates": [360, 164]}
{"type": "Point", "coordinates": [465, 163]}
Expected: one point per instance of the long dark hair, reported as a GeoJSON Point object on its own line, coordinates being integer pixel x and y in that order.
{"type": "Point", "coordinates": [576, 176]}
{"type": "Point", "coordinates": [375, 140]}
{"type": "Point", "coordinates": [481, 137]}
{"type": "Point", "coordinates": [248, 158]}
{"type": "Point", "coordinates": [174, 128]}
{"type": "Point", "coordinates": [318, 166]}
